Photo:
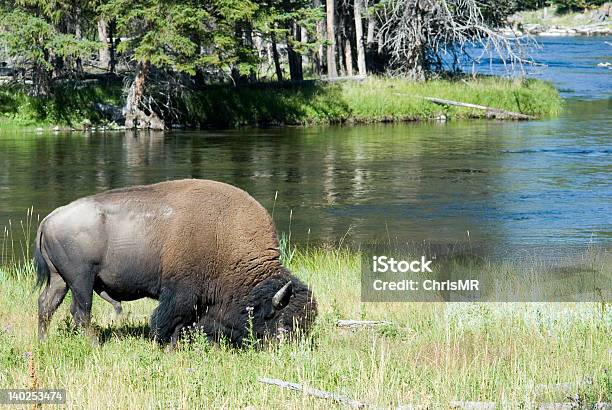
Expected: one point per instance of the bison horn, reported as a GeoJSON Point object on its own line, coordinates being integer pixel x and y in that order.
{"type": "Point", "coordinates": [277, 300]}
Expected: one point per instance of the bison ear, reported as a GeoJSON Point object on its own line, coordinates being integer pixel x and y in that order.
{"type": "Point", "coordinates": [281, 298]}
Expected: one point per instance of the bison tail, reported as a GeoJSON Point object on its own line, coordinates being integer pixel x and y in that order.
{"type": "Point", "coordinates": [43, 273]}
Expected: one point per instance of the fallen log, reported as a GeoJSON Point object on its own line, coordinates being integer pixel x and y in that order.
{"type": "Point", "coordinates": [491, 112]}
{"type": "Point", "coordinates": [557, 406]}
{"type": "Point", "coordinates": [567, 386]}
{"type": "Point", "coordinates": [322, 394]}
{"type": "Point", "coordinates": [472, 405]}
{"type": "Point", "coordinates": [353, 324]}
{"type": "Point", "coordinates": [344, 78]}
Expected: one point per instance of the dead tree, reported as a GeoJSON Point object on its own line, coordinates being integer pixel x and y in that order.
{"type": "Point", "coordinates": [136, 115]}
{"type": "Point", "coordinates": [419, 35]}
{"type": "Point", "coordinates": [361, 64]}
{"type": "Point", "coordinates": [348, 57]}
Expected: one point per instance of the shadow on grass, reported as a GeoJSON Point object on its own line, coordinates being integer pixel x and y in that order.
{"type": "Point", "coordinates": [67, 103]}
{"type": "Point", "coordinates": [265, 104]}
{"type": "Point", "coordinates": [124, 331]}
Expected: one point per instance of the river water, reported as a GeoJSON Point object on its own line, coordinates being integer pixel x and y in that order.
{"type": "Point", "coordinates": [543, 182]}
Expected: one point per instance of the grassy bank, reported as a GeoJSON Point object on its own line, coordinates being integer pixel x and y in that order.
{"type": "Point", "coordinates": [67, 105]}
{"type": "Point", "coordinates": [517, 355]}
{"type": "Point", "coordinates": [556, 17]}
{"type": "Point", "coordinates": [373, 100]}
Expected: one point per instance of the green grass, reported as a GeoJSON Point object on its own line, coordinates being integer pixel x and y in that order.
{"type": "Point", "coordinates": [559, 17]}
{"type": "Point", "coordinates": [431, 354]}
{"type": "Point", "coordinates": [373, 100]}
{"type": "Point", "coordinates": [386, 99]}
{"type": "Point", "coordinates": [67, 105]}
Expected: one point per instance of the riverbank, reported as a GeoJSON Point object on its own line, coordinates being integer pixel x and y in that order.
{"type": "Point", "coordinates": [552, 21]}
{"type": "Point", "coordinates": [367, 101]}
{"type": "Point", "coordinates": [428, 355]}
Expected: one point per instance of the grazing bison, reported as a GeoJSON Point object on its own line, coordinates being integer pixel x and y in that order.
{"type": "Point", "coordinates": [206, 250]}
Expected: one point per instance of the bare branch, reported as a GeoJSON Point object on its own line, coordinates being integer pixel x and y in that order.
{"type": "Point", "coordinates": [420, 35]}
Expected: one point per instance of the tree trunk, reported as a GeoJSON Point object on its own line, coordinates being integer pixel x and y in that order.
{"type": "Point", "coordinates": [58, 66]}
{"type": "Point", "coordinates": [41, 77]}
{"type": "Point", "coordinates": [295, 58]}
{"type": "Point", "coordinates": [104, 56]}
{"type": "Point", "coordinates": [269, 53]}
{"type": "Point", "coordinates": [371, 31]}
{"type": "Point", "coordinates": [348, 57]}
{"type": "Point", "coordinates": [112, 25]}
{"type": "Point", "coordinates": [248, 37]}
{"type": "Point", "coordinates": [341, 55]}
{"type": "Point", "coordinates": [304, 58]}
{"type": "Point", "coordinates": [135, 116]}
{"type": "Point", "coordinates": [317, 58]}
{"type": "Point", "coordinates": [332, 71]}
{"type": "Point", "coordinates": [78, 34]}
{"type": "Point", "coordinates": [319, 55]}
{"type": "Point", "coordinates": [361, 64]}
{"type": "Point", "coordinates": [415, 60]}
{"type": "Point", "coordinates": [235, 73]}
{"type": "Point", "coordinates": [259, 46]}
{"type": "Point", "coordinates": [276, 58]}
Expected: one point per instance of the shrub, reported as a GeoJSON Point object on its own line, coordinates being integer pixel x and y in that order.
{"type": "Point", "coordinates": [569, 5]}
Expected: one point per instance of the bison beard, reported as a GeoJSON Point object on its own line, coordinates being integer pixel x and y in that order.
{"type": "Point", "coordinates": [206, 250]}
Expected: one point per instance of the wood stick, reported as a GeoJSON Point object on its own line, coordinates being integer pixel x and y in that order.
{"type": "Point", "coordinates": [473, 405]}
{"type": "Point", "coordinates": [563, 386]}
{"type": "Point", "coordinates": [540, 388]}
{"type": "Point", "coordinates": [352, 324]}
{"type": "Point", "coordinates": [344, 78]}
{"type": "Point", "coordinates": [322, 394]}
{"type": "Point", "coordinates": [493, 112]}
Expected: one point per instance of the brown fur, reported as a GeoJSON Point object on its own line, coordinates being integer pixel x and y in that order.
{"type": "Point", "coordinates": [198, 245]}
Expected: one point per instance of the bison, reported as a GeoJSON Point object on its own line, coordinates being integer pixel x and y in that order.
{"type": "Point", "coordinates": [207, 251]}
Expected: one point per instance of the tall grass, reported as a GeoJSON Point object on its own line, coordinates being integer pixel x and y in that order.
{"type": "Point", "coordinates": [16, 254]}
{"type": "Point", "coordinates": [515, 354]}
{"type": "Point", "coordinates": [392, 100]}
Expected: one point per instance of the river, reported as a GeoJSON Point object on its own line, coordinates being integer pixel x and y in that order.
{"type": "Point", "coordinates": [545, 182]}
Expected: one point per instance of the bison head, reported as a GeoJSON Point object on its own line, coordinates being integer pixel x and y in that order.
{"type": "Point", "coordinates": [277, 308]}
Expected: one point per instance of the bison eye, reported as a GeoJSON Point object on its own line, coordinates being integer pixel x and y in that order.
{"type": "Point", "coordinates": [269, 314]}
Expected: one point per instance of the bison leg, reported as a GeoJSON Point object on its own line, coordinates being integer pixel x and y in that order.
{"type": "Point", "coordinates": [116, 304]}
{"type": "Point", "coordinates": [49, 300]}
{"type": "Point", "coordinates": [175, 310]}
{"type": "Point", "coordinates": [82, 298]}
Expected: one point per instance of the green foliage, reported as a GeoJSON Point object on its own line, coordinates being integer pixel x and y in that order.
{"type": "Point", "coordinates": [531, 4]}
{"type": "Point", "coordinates": [186, 51]}
{"type": "Point", "coordinates": [35, 41]}
{"type": "Point", "coordinates": [577, 4]}
{"type": "Point", "coordinates": [164, 34]}
{"type": "Point", "coordinates": [564, 5]}
{"type": "Point", "coordinates": [67, 104]}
